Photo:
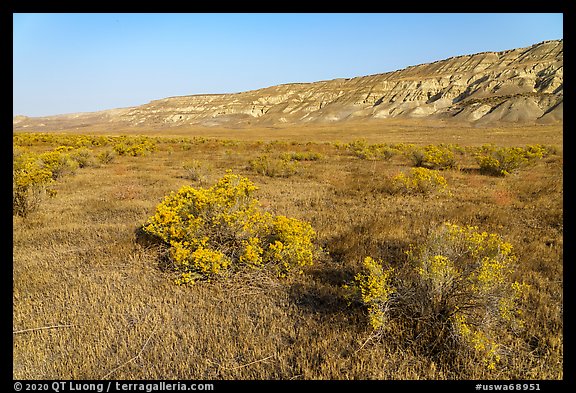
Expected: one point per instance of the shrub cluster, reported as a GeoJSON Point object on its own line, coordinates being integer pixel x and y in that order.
{"type": "Point", "coordinates": [209, 231]}
{"type": "Point", "coordinates": [32, 174]}
{"type": "Point", "coordinates": [457, 293]}
{"type": "Point", "coordinates": [501, 161]}
{"type": "Point", "coordinates": [363, 150]}
{"type": "Point", "coordinates": [123, 144]}
{"type": "Point", "coordinates": [55, 139]}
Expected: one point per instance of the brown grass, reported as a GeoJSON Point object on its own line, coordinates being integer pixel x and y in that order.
{"type": "Point", "coordinates": [91, 302]}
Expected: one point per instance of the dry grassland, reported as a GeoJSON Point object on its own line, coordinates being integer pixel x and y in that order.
{"type": "Point", "coordinates": [394, 130]}
{"type": "Point", "coordinates": [91, 302]}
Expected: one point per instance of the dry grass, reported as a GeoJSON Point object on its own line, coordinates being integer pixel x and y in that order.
{"type": "Point", "coordinates": [90, 302]}
{"type": "Point", "coordinates": [393, 130]}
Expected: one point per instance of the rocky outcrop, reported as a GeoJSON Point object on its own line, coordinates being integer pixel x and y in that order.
{"type": "Point", "coordinates": [516, 86]}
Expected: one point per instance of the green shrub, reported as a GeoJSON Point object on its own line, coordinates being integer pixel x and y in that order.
{"type": "Point", "coordinates": [212, 231]}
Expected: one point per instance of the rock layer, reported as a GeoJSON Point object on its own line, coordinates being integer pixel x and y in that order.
{"type": "Point", "coordinates": [522, 85]}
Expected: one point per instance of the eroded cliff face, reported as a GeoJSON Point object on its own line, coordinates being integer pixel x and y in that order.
{"type": "Point", "coordinates": [522, 85]}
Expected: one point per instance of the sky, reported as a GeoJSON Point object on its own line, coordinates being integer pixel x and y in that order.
{"type": "Point", "coordinates": [67, 63]}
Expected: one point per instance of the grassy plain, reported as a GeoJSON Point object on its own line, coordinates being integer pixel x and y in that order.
{"type": "Point", "coordinates": [91, 302]}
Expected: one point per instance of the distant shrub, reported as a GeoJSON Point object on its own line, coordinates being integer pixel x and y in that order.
{"type": "Point", "coordinates": [106, 156]}
{"type": "Point", "coordinates": [211, 231]}
{"type": "Point", "coordinates": [33, 173]}
{"type": "Point", "coordinates": [195, 170]}
{"type": "Point", "coordinates": [186, 146]}
{"type": "Point", "coordinates": [61, 140]}
{"type": "Point", "coordinates": [433, 157]}
{"type": "Point", "coordinates": [137, 146]}
{"type": "Point", "coordinates": [419, 181]}
{"type": "Point", "coordinates": [121, 148]}
{"type": "Point", "coordinates": [302, 156]}
{"type": "Point", "coordinates": [273, 167]}
{"type": "Point", "coordinates": [83, 156]}
{"type": "Point", "coordinates": [456, 295]}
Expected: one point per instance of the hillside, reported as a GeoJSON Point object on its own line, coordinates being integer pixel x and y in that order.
{"type": "Point", "coordinates": [518, 86]}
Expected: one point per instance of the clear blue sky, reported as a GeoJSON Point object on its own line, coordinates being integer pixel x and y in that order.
{"type": "Point", "coordinates": [64, 63]}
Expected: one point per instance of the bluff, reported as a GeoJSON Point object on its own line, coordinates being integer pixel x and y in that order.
{"type": "Point", "coordinates": [517, 86]}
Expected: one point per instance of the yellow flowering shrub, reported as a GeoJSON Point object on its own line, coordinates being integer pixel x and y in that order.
{"type": "Point", "coordinates": [59, 162]}
{"type": "Point", "coordinates": [455, 293]}
{"type": "Point", "coordinates": [290, 243]}
{"type": "Point", "coordinates": [56, 139]}
{"type": "Point", "coordinates": [439, 271]}
{"type": "Point", "coordinates": [30, 181]}
{"type": "Point", "coordinates": [34, 172]}
{"type": "Point", "coordinates": [253, 252]}
{"type": "Point", "coordinates": [419, 181]}
{"type": "Point", "coordinates": [478, 341]}
{"type": "Point", "coordinates": [211, 230]}
{"type": "Point", "coordinates": [465, 275]}
{"type": "Point", "coordinates": [373, 287]}
{"type": "Point", "coordinates": [536, 151]}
